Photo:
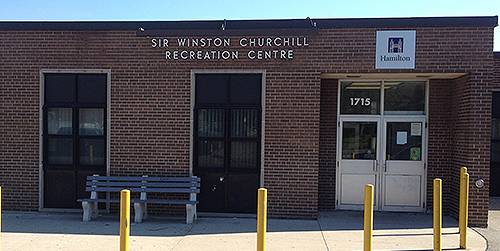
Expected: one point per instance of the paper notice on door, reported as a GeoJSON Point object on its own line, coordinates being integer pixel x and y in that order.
{"type": "Point", "coordinates": [402, 138]}
{"type": "Point", "coordinates": [416, 129]}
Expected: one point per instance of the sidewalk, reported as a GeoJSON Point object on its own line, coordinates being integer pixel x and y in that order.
{"type": "Point", "coordinates": [492, 233]}
{"type": "Point", "coordinates": [334, 231]}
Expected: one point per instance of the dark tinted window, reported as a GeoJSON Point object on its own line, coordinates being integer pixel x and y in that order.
{"type": "Point", "coordinates": [92, 88]}
{"type": "Point", "coordinates": [495, 106]}
{"type": "Point", "coordinates": [60, 88]}
{"type": "Point", "coordinates": [404, 98]}
{"type": "Point", "coordinates": [211, 89]}
{"type": "Point", "coordinates": [245, 89]}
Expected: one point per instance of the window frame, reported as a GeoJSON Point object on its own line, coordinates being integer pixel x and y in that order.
{"type": "Point", "coordinates": [43, 124]}
{"type": "Point", "coordinates": [382, 98]}
{"type": "Point", "coordinates": [194, 113]}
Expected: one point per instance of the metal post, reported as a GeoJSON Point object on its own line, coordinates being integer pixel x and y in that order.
{"type": "Point", "coordinates": [262, 219]}
{"type": "Point", "coordinates": [464, 207]}
{"type": "Point", "coordinates": [124, 219]}
{"type": "Point", "coordinates": [438, 207]}
{"type": "Point", "coordinates": [0, 217]}
{"type": "Point", "coordinates": [368, 233]}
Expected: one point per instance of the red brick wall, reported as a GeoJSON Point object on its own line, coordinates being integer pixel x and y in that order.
{"type": "Point", "coordinates": [150, 107]}
{"type": "Point", "coordinates": [150, 113]}
{"type": "Point", "coordinates": [328, 144]}
{"type": "Point", "coordinates": [451, 141]}
{"type": "Point", "coordinates": [440, 139]}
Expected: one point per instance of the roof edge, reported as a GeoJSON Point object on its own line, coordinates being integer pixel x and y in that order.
{"type": "Point", "coordinates": [408, 22]}
{"type": "Point", "coordinates": [322, 23]}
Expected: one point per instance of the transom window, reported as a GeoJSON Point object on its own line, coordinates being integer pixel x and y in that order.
{"type": "Point", "coordinates": [398, 98]}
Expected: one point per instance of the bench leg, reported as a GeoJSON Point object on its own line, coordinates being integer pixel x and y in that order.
{"type": "Point", "coordinates": [87, 210]}
{"type": "Point", "coordinates": [191, 215]}
{"type": "Point", "coordinates": [140, 211]}
{"type": "Point", "coordinates": [95, 209]}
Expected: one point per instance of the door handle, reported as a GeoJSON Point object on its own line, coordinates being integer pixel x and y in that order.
{"type": "Point", "coordinates": [375, 164]}
{"type": "Point", "coordinates": [385, 166]}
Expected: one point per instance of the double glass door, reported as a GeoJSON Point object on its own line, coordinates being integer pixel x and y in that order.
{"type": "Point", "coordinates": [387, 153]}
{"type": "Point", "coordinates": [382, 141]}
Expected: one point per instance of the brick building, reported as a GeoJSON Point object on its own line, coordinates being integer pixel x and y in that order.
{"type": "Point", "coordinates": [311, 109]}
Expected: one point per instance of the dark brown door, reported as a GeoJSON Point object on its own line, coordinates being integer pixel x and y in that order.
{"type": "Point", "coordinates": [227, 141]}
{"type": "Point", "coordinates": [74, 135]}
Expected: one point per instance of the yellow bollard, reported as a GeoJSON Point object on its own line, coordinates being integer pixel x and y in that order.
{"type": "Point", "coordinates": [368, 234]}
{"type": "Point", "coordinates": [124, 219]}
{"type": "Point", "coordinates": [438, 212]}
{"type": "Point", "coordinates": [262, 219]}
{"type": "Point", "coordinates": [464, 207]}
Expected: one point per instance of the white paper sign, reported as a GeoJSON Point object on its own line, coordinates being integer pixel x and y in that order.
{"type": "Point", "coordinates": [402, 138]}
{"type": "Point", "coordinates": [416, 129]}
{"type": "Point", "coordinates": [395, 50]}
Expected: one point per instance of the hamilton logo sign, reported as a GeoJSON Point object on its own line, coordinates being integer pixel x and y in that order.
{"type": "Point", "coordinates": [395, 45]}
{"type": "Point", "coordinates": [395, 50]}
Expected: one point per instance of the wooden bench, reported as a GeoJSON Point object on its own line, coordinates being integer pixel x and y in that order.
{"type": "Point", "coordinates": [144, 185]}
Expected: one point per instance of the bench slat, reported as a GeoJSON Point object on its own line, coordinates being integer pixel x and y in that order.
{"type": "Point", "coordinates": [139, 184]}
{"type": "Point", "coordinates": [143, 201]}
{"type": "Point", "coordinates": [147, 189]}
{"type": "Point", "coordinates": [127, 178]}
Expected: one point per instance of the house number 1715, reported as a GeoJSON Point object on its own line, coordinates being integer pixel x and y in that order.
{"type": "Point", "coordinates": [360, 101]}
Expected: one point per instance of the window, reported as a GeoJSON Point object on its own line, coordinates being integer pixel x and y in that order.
{"type": "Point", "coordinates": [74, 135]}
{"type": "Point", "coordinates": [360, 98]}
{"type": "Point", "coordinates": [404, 98]}
{"type": "Point", "coordinates": [228, 112]}
{"type": "Point", "coordinates": [399, 98]}
{"type": "Point", "coordinates": [359, 140]}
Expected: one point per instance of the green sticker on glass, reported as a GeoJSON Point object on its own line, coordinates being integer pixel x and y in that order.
{"type": "Point", "coordinates": [415, 153]}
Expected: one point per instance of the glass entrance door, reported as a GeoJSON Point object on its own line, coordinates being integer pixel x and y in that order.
{"type": "Point", "coordinates": [382, 141]}
{"type": "Point", "coordinates": [387, 153]}
{"type": "Point", "coordinates": [359, 161]}
{"type": "Point", "coordinates": [403, 174]}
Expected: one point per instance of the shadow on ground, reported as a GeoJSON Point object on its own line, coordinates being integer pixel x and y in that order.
{"type": "Point", "coordinates": [71, 223]}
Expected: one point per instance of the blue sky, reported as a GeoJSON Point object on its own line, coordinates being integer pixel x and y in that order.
{"type": "Point", "coordinates": [133, 10]}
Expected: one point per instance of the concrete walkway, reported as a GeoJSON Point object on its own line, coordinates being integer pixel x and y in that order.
{"type": "Point", "coordinates": [341, 230]}
{"type": "Point", "coordinates": [492, 233]}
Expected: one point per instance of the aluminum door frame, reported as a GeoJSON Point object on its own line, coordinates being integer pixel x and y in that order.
{"type": "Point", "coordinates": [357, 189]}
{"type": "Point", "coordinates": [386, 165]}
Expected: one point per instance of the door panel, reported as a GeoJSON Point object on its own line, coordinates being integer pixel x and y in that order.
{"type": "Point", "coordinates": [228, 193]}
{"type": "Point", "coordinates": [242, 193]}
{"type": "Point", "coordinates": [402, 190]}
{"type": "Point", "coordinates": [352, 193]}
{"type": "Point", "coordinates": [358, 164]}
{"type": "Point", "coordinates": [60, 185]}
{"type": "Point", "coordinates": [212, 193]}
{"type": "Point", "coordinates": [403, 175]}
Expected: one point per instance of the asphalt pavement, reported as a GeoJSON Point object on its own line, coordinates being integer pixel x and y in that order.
{"type": "Point", "coordinates": [339, 230]}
